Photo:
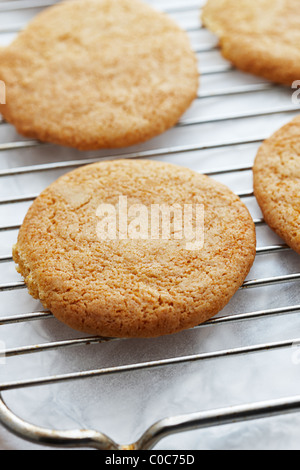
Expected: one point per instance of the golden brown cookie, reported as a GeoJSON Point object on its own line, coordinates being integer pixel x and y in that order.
{"type": "Point", "coordinates": [98, 74]}
{"type": "Point", "coordinates": [277, 182]}
{"type": "Point", "coordinates": [260, 36]}
{"type": "Point", "coordinates": [117, 285]}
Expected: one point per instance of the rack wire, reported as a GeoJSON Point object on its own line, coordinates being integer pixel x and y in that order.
{"type": "Point", "coordinates": [185, 422]}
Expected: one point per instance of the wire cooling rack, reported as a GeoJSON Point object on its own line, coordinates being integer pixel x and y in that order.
{"type": "Point", "coordinates": [238, 368]}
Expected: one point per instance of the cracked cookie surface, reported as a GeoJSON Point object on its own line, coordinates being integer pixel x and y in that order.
{"type": "Point", "coordinates": [277, 182]}
{"type": "Point", "coordinates": [261, 37]}
{"type": "Point", "coordinates": [129, 287]}
{"type": "Point", "coordinates": [96, 74]}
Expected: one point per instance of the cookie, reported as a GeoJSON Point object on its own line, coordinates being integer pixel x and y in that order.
{"type": "Point", "coordinates": [96, 74]}
{"type": "Point", "coordinates": [261, 37]}
{"type": "Point", "coordinates": [277, 182]}
{"type": "Point", "coordinates": [103, 276]}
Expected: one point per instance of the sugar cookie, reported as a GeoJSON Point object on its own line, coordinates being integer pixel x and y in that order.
{"type": "Point", "coordinates": [96, 74]}
{"type": "Point", "coordinates": [122, 286]}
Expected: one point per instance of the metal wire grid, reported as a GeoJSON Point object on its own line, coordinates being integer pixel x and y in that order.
{"type": "Point", "coordinates": [165, 427]}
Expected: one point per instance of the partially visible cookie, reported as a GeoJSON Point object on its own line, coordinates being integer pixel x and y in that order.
{"type": "Point", "coordinates": [277, 182]}
{"type": "Point", "coordinates": [100, 280]}
{"type": "Point", "coordinates": [260, 37]}
{"type": "Point", "coordinates": [96, 74]}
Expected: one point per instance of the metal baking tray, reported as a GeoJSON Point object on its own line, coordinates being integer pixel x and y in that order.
{"type": "Point", "coordinates": [232, 383]}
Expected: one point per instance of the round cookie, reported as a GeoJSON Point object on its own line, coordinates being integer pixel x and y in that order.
{"type": "Point", "coordinates": [260, 37]}
{"type": "Point", "coordinates": [277, 182]}
{"type": "Point", "coordinates": [122, 286]}
{"type": "Point", "coordinates": [96, 74]}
